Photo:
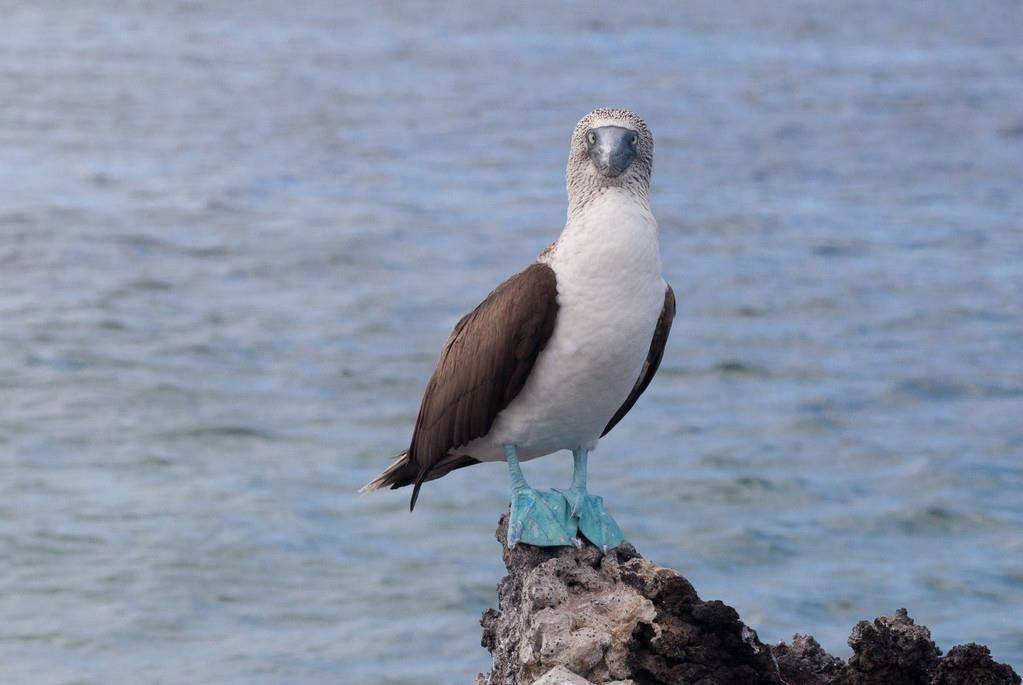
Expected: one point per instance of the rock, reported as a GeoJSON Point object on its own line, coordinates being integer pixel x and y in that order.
{"type": "Point", "coordinates": [892, 650]}
{"type": "Point", "coordinates": [806, 663]}
{"type": "Point", "coordinates": [613, 618]}
{"type": "Point", "coordinates": [972, 665]}
{"type": "Point", "coordinates": [577, 616]}
{"type": "Point", "coordinates": [559, 675]}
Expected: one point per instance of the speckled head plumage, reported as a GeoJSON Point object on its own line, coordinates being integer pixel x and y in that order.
{"type": "Point", "coordinates": [611, 148]}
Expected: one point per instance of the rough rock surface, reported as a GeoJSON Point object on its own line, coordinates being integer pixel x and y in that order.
{"type": "Point", "coordinates": [805, 662]}
{"type": "Point", "coordinates": [610, 618]}
{"type": "Point", "coordinates": [890, 650]}
{"type": "Point", "coordinates": [577, 616]}
{"type": "Point", "coordinates": [972, 665]}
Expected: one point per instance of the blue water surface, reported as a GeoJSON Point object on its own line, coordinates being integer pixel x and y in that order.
{"type": "Point", "coordinates": [233, 237]}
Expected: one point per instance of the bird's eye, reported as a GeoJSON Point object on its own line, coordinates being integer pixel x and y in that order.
{"type": "Point", "coordinates": [591, 138]}
{"type": "Point", "coordinates": [633, 139]}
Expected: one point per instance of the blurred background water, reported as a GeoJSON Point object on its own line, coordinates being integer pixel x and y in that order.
{"type": "Point", "coordinates": [233, 237]}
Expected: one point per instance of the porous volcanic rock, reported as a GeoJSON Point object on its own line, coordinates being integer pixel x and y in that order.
{"type": "Point", "coordinates": [972, 665]}
{"type": "Point", "coordinates": [890, 650]}
{"type": "Point", "coordinates": [610, 618]}
{"type": "Point", "coordinates": [578, 616]}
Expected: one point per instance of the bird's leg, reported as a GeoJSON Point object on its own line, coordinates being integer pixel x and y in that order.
{"type": "Point", "coordinates": [575, 494]}
{"type": "Point", "coordinates": [537, 518]}
{"type": "Point", "coordinates": [594, 522]}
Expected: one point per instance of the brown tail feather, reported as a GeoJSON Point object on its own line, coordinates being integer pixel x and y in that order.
{"type": "Point", "coordinates": [403, 472]}
{"type": "Point", "coordinates": [399, 473]}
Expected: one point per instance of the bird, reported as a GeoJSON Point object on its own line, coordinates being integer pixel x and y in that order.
{"type": "Point", "coordinates": [556, 356]}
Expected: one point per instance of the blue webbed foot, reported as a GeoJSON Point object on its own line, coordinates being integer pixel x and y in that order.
{"type": "Point", "coordinates": [594, 522]}
{"type": "Point", "coordinates": [540, 518]}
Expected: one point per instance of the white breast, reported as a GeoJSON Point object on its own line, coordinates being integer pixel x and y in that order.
{"type": "Point", "coordinates": [610, 295]}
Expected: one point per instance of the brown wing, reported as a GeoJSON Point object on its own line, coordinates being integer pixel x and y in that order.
{"type": "Point", "coordinates": [482, 368]}
{"type": "Point", "coordinates": [653, 359]}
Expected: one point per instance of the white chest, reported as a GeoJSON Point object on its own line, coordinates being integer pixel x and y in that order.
{"type": "Point", "coordinates": [608, 265]}
{"type": "Point", "coordinates": [610, 295]}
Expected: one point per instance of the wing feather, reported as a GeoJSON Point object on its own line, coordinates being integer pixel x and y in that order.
{"type": "Point", "coordinates": [483, 366]}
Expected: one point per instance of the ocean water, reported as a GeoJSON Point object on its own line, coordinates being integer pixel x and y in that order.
{"type": "Point", "coordinates": [233, 237]}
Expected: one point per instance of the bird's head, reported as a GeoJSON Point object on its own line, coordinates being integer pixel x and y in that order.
{"type": "Point", "coordinates": [610, 148]}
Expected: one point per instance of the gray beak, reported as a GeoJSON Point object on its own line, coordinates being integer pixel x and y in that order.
{"type": "Point", "coordinates": [612, 149]}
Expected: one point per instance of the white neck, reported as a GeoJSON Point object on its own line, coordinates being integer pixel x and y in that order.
{"type": "Point", "coordinates": [613, 237]}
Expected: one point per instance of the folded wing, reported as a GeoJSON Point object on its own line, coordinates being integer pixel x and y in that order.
{"type": "Point", "coordinates": [482, 368]}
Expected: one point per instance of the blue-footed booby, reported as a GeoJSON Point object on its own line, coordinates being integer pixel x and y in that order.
{"type": "Point", "coordinates": [559, 353]}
